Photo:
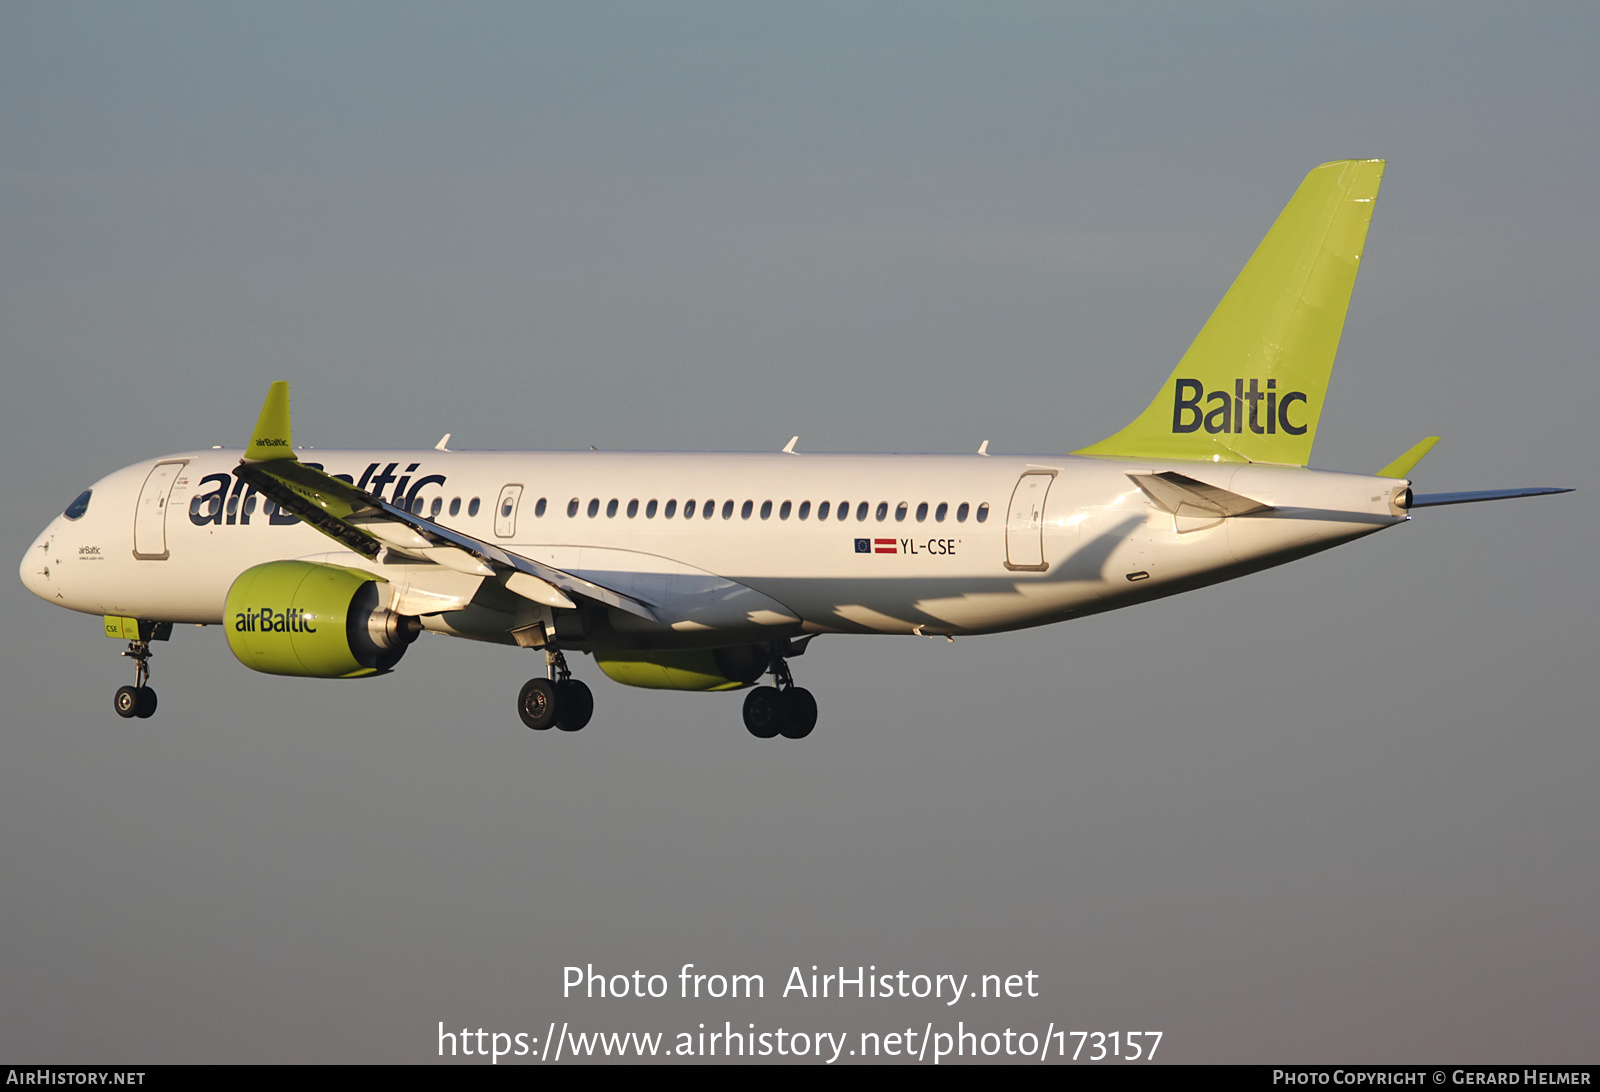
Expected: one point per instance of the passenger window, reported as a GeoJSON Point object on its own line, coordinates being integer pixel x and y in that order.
{"type": "Point", "coordinates": [746, 508]}
{"type": "Point", "coordinates": [783, 512]}
{"type": "Point", "coordinates": [900, 512]}
{"type": "Point", "coordinates": [538, 509]}
{"type": "Point", "coordinates": [672, 508]}
{"type": "Point", "coordinates": [250, 505]}
{"type": "Point", "coordinates": [766, 509]}
{"type": "Point", "coordinates": [727, 509]}
{"type": "Point", "coordinates": [688, 509]}
{"type": "Point", "coordinates": [611, 508]}
{"type": "Point", "coordinates": [883, 511]}
{"type": "Point", "coordinates": [455, 506]}
{"type": "Point", "coordinates": [961, 512]}
{"type": "Point", "coordinates": [505, 509]}
{"type": "Point", "coordinates": [844, 511]}
{"type": "Point", "coordinates": [650, 509]}
{"type": "Point", "coordinates": [594, 507]}
{"type": "Point", "coordinates": [861, 512]}
{"type": "Point", "coordinates": [80, 505]}
{"type": "Point", "coordinates": [709, 509]}
{"type": "Point", "coordinates": [822, 511]}
{"type": "Point", "coordinates": [572, 507]}
{"type": "Point", "coordinates": [983, 511]}
{"type": "Point", "coordinates": [922, 511]}
{"type": "Point", "coordinates": [433, 510]}
{"type": "Point", "coordinates": [472, 507]}
{"type": "Point", "coordinates": [940, 512]}
{"type": "Point", "coordinates": [805, 509]}
{"type": "Point", "coordinates": [633, 507]}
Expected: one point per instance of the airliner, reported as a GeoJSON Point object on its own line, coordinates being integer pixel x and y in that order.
{"type": "Point", "coordinates": [704, 571]}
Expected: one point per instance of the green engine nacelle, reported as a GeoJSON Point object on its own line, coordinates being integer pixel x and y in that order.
{"type": "Point", "coordinates": [686, 669]}
{"type": "Point", "coordinates": [313, 620]}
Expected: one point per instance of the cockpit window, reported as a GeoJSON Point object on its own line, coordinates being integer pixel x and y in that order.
{"type": "Point", "coordinates": [78, 507]}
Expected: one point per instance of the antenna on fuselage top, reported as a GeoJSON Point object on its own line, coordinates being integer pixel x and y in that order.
{"type": "Point", "coordinates": [788, 448]}
{"type": "Point", "coordinates": [443, 440]}
{"type": "Point", "coordinates": [983, 448]}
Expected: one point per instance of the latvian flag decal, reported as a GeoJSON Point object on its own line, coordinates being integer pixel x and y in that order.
{"type": "Point", "coordinates": [876, 546]}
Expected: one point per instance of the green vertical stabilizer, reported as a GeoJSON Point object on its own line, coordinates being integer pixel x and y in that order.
{"type": "Point", "coordinates": [1252, 385]}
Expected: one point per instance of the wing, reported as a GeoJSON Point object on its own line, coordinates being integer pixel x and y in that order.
{"type": "Point", "coordinates": [366, 524]}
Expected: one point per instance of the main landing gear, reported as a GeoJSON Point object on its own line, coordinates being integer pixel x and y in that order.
{"type": "Point", "coordinates": [556, 701]}
{"type": "Point", "coordinates": [139, 700]}
{"type": "Point", "coordinates": [783, 710]}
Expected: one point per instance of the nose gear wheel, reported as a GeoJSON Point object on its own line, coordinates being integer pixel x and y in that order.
{"type": "Point", "coordinates": [137, 700]}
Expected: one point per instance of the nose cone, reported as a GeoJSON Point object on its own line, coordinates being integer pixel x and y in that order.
{"type": "Point", "coordinates": [37, 568]}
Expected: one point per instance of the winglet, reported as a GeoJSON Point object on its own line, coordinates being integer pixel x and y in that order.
{"type": "Point", "coordinates": [1403, 466]}
{"type": "Point", "coordinates": [271, 439]}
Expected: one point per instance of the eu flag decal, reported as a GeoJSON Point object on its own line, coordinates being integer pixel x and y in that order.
{"type": "Point", "coordinates": [863, 545]}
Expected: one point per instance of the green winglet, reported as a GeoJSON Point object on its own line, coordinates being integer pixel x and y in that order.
{"type": "Point", "coordinates": [271, 439]}
{"type": "Point", "coordinates": [1402, 466]}
{"type": "Point", "coordinates": [1251, 386]}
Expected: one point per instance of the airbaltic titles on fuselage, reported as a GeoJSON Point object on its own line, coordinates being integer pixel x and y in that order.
{"type": "Point", "coordinates": [230, 501]}
{"type": "Point", "coordinates": [217, 505]}
{"type": "Point", "coordinates": [1229, 414]}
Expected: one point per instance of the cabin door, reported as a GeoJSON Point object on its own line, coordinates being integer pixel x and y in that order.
{"type": "Point", "coordinates": [1025, 522]}
{"type": "Point", "coordinates": [150, 517]}
{"type": "Point", "coordinates": [505, 511]}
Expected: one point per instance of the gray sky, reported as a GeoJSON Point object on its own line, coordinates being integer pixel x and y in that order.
{"type": "Point", "coordinates": [1338, 811]}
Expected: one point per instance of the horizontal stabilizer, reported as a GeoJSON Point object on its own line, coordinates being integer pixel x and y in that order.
{"type": "Point", "coordinates": [1433, 500]}
{"type": "Point", "coordinates": [1184, 496]}
{"type": "Point", "coordinates": [1406, 463]}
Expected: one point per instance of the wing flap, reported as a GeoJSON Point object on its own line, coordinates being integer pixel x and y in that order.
{"type": "Point", "coordinates": [453, 557]}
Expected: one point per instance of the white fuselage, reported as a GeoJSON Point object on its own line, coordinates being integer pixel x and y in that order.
{"type": "Point", "coordinates": [931, 544]}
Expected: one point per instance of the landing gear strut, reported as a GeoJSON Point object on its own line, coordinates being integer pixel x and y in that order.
{"type": "Point", "coordinates": [137, 700]}
{"type": "Point", "coordinates": [783, 709]}
{"type": "Point", "coordinates": [558, 700]}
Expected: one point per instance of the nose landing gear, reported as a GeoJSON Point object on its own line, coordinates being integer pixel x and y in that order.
{"type": "Point", "coordinates": [139, 700]}
{"type": "Point", "coordinates": [784, 709]}
{"type": "Point", "coordinates": [558, 700]}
